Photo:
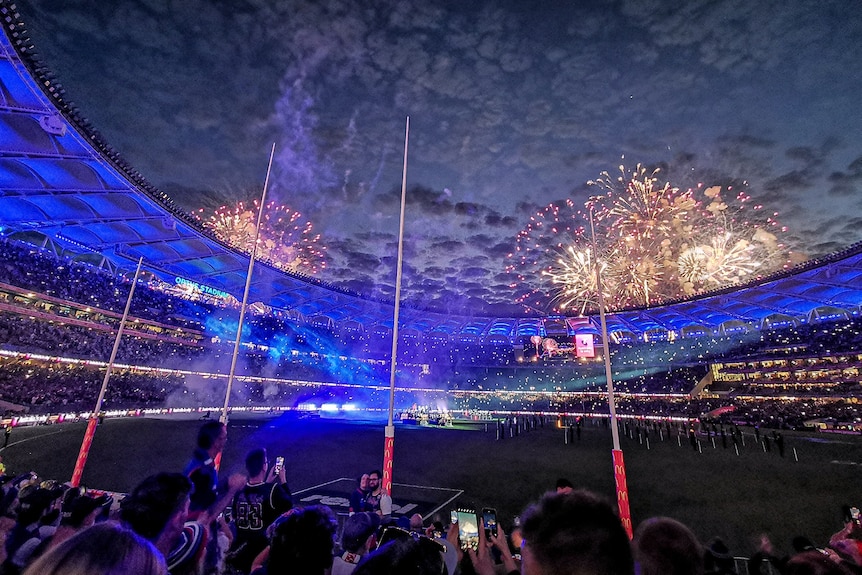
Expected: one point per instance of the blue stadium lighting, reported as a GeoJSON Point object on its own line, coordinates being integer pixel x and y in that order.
{"type": "Point", "coordinates": [329, 407]}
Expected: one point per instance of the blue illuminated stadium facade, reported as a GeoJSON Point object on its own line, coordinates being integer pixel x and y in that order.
{"type": "Point", "coordinates": [63, 187]}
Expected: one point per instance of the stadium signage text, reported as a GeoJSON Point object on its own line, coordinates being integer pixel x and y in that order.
{"type": "Point", "coordinates": [199, 287]}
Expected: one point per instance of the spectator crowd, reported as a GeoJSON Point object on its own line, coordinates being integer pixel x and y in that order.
{"type": "Point", "coordinates": [192, 522]}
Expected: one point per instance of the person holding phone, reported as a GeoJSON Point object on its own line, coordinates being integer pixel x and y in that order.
{"type": "Point", "coordinates": [263, 499]}
{"type": "Point", "coordinates": [482, 557]}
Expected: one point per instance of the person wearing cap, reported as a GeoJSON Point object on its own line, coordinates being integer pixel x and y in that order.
{"type": "Point", "coordinates": [254, 508]}
{"type": "Point", "coordinates": [357, 540]}
{"type": "Point", "coordinates": [33, 503]}
{"type": "Point", "coordinates": [78, 512]}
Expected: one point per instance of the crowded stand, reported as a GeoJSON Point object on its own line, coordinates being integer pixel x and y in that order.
{"type": "Point", "coordinates": [55, 307]}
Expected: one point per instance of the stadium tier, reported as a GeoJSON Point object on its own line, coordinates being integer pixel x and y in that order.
{"type": "Point", "coordinates": [75, 218]}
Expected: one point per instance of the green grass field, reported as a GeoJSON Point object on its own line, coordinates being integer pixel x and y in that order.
{"type": "Point", "coordinates": [716, 492]}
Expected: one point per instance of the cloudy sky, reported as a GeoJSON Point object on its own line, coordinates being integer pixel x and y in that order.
{"type": "Point", "coordinates": [512, 105]}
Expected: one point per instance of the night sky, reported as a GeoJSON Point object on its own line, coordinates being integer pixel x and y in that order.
{"type": "Point", "coordinates": [513, 105]}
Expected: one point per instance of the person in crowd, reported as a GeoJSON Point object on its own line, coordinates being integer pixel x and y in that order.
{"type": "Point", "coordinates": [717, 559]}
{"type": "Point", "coordinates": [417, 556]}
{"type": "Point", "coordinates": [263, 499]}
{"type": "Point", "coordinates": [483, 559]}
{"type": "Point", "coordinates": [358, 538]}
{"type": "Point", "coordinates": [206, 502]}
{"type": "Point", "coordinates": [201, 469]}
{"type": "Point", "coordinates": [24, 538]}
{"type": "Point", "coordinates": [817, 563]}
{"type": "Point", "coordinates": [664, 546]}
{"type": "Point", "coordinates": [357, 497]}
{"type": "Point", "coordinates": [852, 531]}
{"type": "Point", "coordinates": [765, 561]}
{"type": "Point", "coordinates": [187, 555]}
{"type": "Point", "coordinates": [51, 519]}
{"type": "Point", "coordinates": [79, 511]}
{"type": "Point", "coordinates": [157, 509]}
{"type": "Point", "coordinates": [577, 533]}
{"type": "Point", "coordinates": [377, 500]}
{"type": "Point", "coordinates": [416, 524]}
{"type": "Point", "coordinates": [105, 549]}
{"type": "Point", "coordinates": [302, 543]}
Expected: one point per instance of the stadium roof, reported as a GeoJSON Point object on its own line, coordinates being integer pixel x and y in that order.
{"type": "Point", "coordinates": [61, 182]}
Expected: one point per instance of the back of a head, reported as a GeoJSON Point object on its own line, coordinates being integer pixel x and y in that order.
{"type": "Point", "coordinates": [664, 546]}
{"type": "Point", "coordinates": [303, 541]}
{"type": "Point", "coordinates": [147, 509]}
{"type": "Point", "coordinates": [575, 533]}
{"type": "Point", "coordinates": [255, 461]}
{"type": "Point", "coordinates": [406, 556]}
{"type": "Point", "coordinates": [104, 549]}
{"type": "Point", "coordinates": [208, 433]}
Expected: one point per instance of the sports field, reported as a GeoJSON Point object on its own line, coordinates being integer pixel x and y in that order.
{"type": "Point", "coordinates": [715, 491]}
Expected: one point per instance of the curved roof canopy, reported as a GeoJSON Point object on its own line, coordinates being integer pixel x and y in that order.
{"type": "Point", "coordinates": [60, 180]}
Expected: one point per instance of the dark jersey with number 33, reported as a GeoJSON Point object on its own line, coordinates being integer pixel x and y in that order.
{"type": "Point", "coordinates": [254, 508]}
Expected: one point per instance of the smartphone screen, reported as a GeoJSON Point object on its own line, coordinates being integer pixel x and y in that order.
{"type": "Point", "coordinates": [489, 521]}
{"type": "Point", "coordinates": [279, 463]}
{"type": "Point", "coordinates": [468, 529]}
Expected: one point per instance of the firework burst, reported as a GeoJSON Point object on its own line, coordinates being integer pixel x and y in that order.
{"type": "Point", "coordinates": [575, 278]}
{"type": "Point", "coordinates": [655, 243]}
{"type": "Point", "coordinates": [285, 240]}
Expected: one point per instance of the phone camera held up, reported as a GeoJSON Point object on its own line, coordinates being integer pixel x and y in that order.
{"type": "Point", "coordinates": [468, 528]}
{"type": "Point", "coordinates": [489, 522]}
{"type": "Point", "coordinates": [279, 464]}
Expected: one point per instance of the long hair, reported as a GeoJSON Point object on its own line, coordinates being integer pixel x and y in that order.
{"type": "Point", "coordinates": [104, 549]}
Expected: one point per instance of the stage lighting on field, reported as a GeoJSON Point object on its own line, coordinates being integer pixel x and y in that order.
{"type": "Point", "coordinates": [329, 407]}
